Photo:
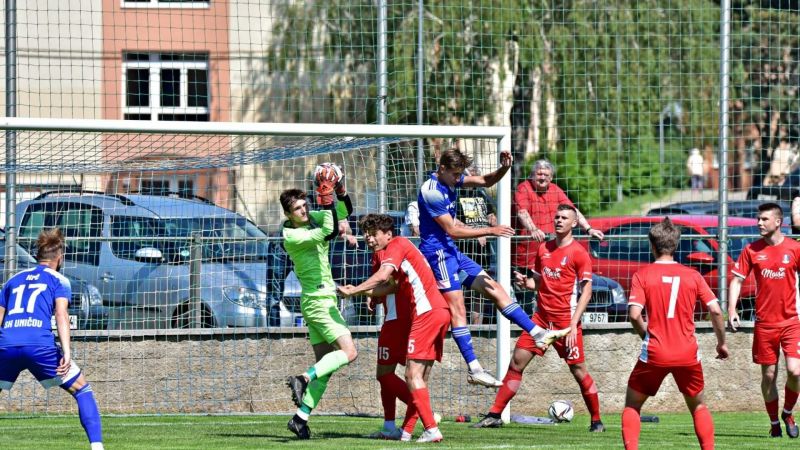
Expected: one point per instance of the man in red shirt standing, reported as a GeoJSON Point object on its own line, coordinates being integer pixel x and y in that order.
{"type": "Point", "coordinates": [669, 291]}
{"type": "Point", "coordinates": [404, 266]}
{"type": "Point", "coordinates": [774, 261]}
{"type": "Point", "coordinates": [535, 202]}
{"type": "Point", "coordinates": [561, 266]}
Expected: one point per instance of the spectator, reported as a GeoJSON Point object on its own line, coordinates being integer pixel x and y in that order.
{"type": "Point", "coordinates": [475, 209]}
{"type": "Point", "coordinates": [796, 215]}
{"type": "Point", "coordinates": [535, 203]}
{"type": "Point", "coordinates": [695, 167]}
{"type": "Point", "coordinates": [412, 218]}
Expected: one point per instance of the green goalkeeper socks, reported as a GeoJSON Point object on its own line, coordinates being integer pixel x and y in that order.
{"type": "Point", "coordinates": [329, 363]}
{"type": "Point", "coordinates": [314, 392]}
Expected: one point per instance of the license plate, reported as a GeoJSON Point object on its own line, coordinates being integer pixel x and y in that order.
{"type": "Point", "coordinates": [766, 197]}
{"type": "Point", "coordinates": [73, 322]}
{"type": "Point", "coordinates": [594, 317]}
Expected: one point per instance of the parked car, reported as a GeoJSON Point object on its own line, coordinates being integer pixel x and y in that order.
{"type": "Point", "coordinates": [736, 208]}
{"type": "Point", "coordinates": [137, 249]}
{"type": "Point", "coordinates": [86, 309]}
{"type": "Point", "coordinates": [619, 257]}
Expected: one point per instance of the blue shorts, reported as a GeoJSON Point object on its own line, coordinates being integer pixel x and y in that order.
{"type": "Point", "coordinates": [447, 265]}
{"type": "Point", "coordinates": [41, 361]}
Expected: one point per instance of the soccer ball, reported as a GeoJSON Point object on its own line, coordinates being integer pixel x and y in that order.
{"type": "Point", "coordinates": [437, 417]}
{"type": "Point", "coordinates": [561, 411]}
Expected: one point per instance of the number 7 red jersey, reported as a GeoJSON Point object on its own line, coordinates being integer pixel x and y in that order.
{"type": "Point", "coordinates": [668, 292]}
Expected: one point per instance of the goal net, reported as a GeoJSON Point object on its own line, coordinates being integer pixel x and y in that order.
{"type": "Point", "coordinates": [184, 298]}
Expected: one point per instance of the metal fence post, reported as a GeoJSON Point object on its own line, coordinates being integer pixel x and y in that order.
{"type": "Point", "coordinates": [194, 280]}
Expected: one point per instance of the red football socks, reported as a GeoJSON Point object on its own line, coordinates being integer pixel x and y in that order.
{"type": "Point", "coordinates": [631, 428]}
{"type": "Point", "coordinates": [589, 393]}
{"type": "Point", "coordinates": [507, 391]}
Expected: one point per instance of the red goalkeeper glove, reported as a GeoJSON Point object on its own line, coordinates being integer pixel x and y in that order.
{"type": "Point", "coordinates": [331, 172]}
{"type": "Point", "coordinates": [325, 192]}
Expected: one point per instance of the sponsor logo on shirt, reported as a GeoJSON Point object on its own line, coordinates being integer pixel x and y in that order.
{"type": "Point", "coordinates": [564, 262]}
{"type": "Point", "coordinates": [774, 274]}
{"type": "Point", "coordinates": [546, 255]}
{"type": "Point", "coordinates": [761, 258]}
{"type": "Point", "coordinates": [552, 273]}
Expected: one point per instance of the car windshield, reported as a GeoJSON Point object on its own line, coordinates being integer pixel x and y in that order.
{"type": "Point", "coordinates": [236, 247]}
{"type": "Point", "coordinates": [737, 244]}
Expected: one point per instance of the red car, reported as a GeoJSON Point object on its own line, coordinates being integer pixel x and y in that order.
{"type": "Point", "coordinates": [619, 258]}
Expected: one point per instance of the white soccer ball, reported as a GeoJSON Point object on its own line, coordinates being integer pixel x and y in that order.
{"type": "Point", "coordinates": [561, 411]}
{"type": "Point", "coordinates": [437, 417]}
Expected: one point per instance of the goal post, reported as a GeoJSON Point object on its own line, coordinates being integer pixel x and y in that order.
{"type": "Point", "coordinates": [72, 149]}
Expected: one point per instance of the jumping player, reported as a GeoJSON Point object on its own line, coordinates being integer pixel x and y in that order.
{"type": "Point", "coordinates": [306, 235]}
{"type": "Point", "coordinates": [561, 266]}
{"type": "Point", "coordinates": [774, 261]}
{"type": "Point", "coordinates": [430, 316]}
{"type": "Point", "coordinates": [437, 207]}
{"type": "Point", "coordinates": [669, 292]}
{"type": "Point", "coordinates": [27, 302]}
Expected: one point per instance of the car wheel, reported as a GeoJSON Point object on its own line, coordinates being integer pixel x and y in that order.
{"type": "Point", "coordinates": [185, 315]}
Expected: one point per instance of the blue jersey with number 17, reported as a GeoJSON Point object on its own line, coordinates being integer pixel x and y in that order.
{"type": "Point", "coordinates": [436, 199]}
{"type": "Point", "coordinates": [29, 299]}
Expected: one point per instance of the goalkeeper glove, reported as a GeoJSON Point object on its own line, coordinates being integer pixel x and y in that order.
{"type": "Point", "coordinates": [325, 190]}
{"type": "Point", "coordinates": [331, 172]}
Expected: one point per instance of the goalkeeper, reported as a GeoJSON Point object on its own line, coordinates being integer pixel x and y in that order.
{"type": "Point", "coordinates": [306, 235]}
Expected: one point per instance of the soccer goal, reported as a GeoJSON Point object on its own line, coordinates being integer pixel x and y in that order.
{"type": "Point", "coordinates": [184, 300]}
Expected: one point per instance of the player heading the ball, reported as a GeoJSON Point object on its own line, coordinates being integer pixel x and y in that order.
{"type": "Point", "coordinates": [306, 235]}
{"type": "Point", "coordinates": [437, 200]}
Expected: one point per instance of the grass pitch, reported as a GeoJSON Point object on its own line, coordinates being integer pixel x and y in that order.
{"type": "Point", "coordinates": [733, 430]}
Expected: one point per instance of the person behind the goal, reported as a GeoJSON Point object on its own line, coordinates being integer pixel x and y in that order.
{"type": "Point", "coordinates": [404, 266]}
{"type": "Point", "coordinates": [306, 237]}
{"type": "Point", "coordinates": [669, 292]}
{"type": "Point", "coordinates": [27, 302]}
{"type": "Point", "coordinates": [438, 228]}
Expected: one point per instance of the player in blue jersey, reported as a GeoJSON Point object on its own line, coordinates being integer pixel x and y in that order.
{"type": "Point", "coordinates": [438, 228]}
{"type": "Point", "coordinates": [27, 302]}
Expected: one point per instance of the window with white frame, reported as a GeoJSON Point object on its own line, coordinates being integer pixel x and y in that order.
{"type": "Point", "coordinates": [165, 86]}
{"type": "Point", "coordinates": [183, 185]}
{"type": "Point", "coordinates": [165, 3]}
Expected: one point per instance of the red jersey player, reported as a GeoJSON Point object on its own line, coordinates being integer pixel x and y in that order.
{"type": "Point", "coordinates": [392, 346]}
{"type": "Point", "coordinates": [774, 261]}
{"type": "Point", "coordinates": [561, 266]}
{"type": "Point", "coordinates": [669, 291]}
{"type": "Point", "coordinates": [405, 266]}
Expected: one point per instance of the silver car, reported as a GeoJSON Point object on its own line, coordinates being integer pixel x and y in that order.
{"type": "Point", "coordinates": [137, 250]}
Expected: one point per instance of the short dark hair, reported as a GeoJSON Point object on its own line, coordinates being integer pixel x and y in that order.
{"type": "Point", "coordinates": [376, 222]}
{"type": "Point", "coordinates": [664, 237]}
{"type": "Point", "coordinates": [776, 208]}
{"type": "Point", "coordinates": [567, 207]}
{"type": "Point", "coordinates": [290, 196]}
{"type": "Point", "coordinates": [452, 158]}
{"type": "Point", "coordinates": [50, 244]}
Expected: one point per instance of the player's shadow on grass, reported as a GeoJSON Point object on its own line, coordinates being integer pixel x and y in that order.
{"type": "Point", "coordinates": [287, 436]}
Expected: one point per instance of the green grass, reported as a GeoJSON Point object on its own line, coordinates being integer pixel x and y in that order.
{"type": "Point", "coordinates": [733, 430]}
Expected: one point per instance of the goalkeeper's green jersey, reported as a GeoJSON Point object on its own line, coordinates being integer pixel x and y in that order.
{"type": "Point", "coordinates": [308, 249]}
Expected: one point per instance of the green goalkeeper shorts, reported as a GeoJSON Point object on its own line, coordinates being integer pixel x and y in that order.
{"type": "Point", "coordinates": [325, 322]}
